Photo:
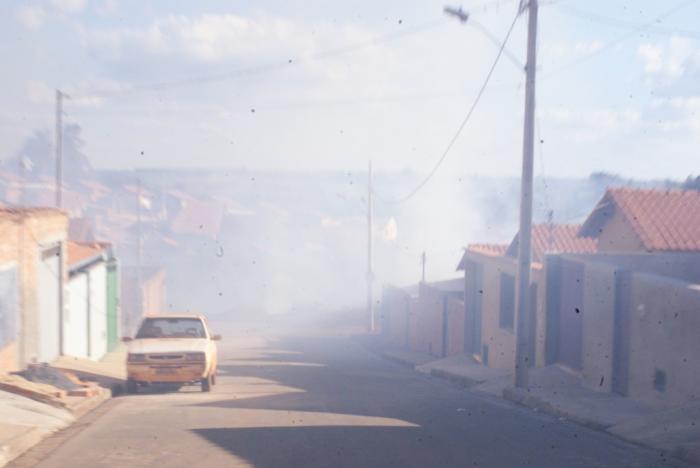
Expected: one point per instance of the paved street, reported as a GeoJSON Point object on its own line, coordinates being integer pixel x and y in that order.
{"type": "Point", "coordinates": [292, 400]}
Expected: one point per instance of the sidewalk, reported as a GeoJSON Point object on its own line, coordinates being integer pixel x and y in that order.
{"type": "Point", "coordinates": [24, 422]}
{"type": "Point", "coordinates": [676, 431]}
{"type": "Point", "coordinates": [31, 411]}
{"type": "Point", "coordinates": [556, 391]}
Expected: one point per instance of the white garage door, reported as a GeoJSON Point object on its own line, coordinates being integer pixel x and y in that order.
{"type": "Point", "coordinates": [49, 305]}
{"type": "Point", "coordinates": [8, 306]}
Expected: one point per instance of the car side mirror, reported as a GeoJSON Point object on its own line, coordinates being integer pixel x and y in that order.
{"type": "Point", "coordinates": [126, 339]}
{"type": "Point", "coordinates": [216, 337]}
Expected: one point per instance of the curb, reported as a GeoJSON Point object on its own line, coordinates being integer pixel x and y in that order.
{"type": "Point", "coordinates": [399, 360]}
{"type": "Point", "coordinates": [522, 397]}
{"type": "Point", "coordinates": [455, 378]}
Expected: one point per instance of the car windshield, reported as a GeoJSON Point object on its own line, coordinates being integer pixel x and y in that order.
{"type": "Point", "coordinates": [171, 328]}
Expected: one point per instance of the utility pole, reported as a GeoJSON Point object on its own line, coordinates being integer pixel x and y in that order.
{"type": "Point", "coordinates": [522, 300]}
{"type": "Point", "coordinates": [422, 261]}
{"type": "Point", "coordinates": [59, 148]}
{"type": "Point", "coordinates": [370, 272]}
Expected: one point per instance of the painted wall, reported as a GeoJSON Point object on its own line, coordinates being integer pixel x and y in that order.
{"type": "Point", "coordinates": [618, 236]}
{"type": "Point", "coordinates": [23, 234]}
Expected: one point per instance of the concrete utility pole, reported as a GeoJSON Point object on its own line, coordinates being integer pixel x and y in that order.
{"type": "Point", "coordinates": [422, 261]}
{"type": "Point", "coordinates": [522, 300]}
{"type": "Point", "coordinates": [59, 148]}
{"type": "Point", "coordinates": [370, 272]}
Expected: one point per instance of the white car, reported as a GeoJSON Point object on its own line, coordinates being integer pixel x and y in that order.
{"type": "Point", "coordinates": [172, 348]}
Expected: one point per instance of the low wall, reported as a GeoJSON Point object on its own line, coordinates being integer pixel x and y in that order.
{"type": "Point", "coordinates": [664, 345]}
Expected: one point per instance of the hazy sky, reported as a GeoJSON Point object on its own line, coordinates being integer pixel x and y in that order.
{"type": "Point", "coordinates": [612, 95]}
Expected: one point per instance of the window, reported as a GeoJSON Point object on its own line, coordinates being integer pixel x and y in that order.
{"type": "Point", "coordinates": [171, 328]}
{"type": "Point", "coordinates": [507, 312]}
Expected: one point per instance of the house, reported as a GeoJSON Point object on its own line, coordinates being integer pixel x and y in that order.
{"type": "Point", "coordinates": [645, 220]}
{"type": "Point", "coordinates": [32, 278]}
{"type": "Point", "coordinates": [489, 293]}
{"type": "Point", "coordinates": [143, 292]}
{"type": "Point", "coordinates": [626, 317]}
{"type": "Point", "coordinates": [189, 216]}
{"type": "Point", "coordinates": [91, 318]}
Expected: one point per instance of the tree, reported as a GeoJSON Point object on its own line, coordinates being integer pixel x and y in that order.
{"type": "Point", "coordinates": [36, 158]}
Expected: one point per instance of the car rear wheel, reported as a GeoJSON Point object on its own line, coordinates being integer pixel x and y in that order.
{"type": "Point", "coordinates": [206, 383]}
{"type": "Point", "coordinates": [132, 387]}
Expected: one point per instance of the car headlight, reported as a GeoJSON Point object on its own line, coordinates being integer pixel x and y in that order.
{"type": "Point", "coordinates": [199, 357]}
{"type": "Point", "coordinates": [133, 357]}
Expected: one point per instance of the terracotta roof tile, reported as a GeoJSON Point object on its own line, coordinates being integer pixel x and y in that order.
{"type": "Point", "coordinates": [81, 251]}
{"type": "Point", "coordinates": [556, 238]}
{"type": "Point", "coordinates": [664, 220]}
{"type": "Point", "coordinates": [495, 250]}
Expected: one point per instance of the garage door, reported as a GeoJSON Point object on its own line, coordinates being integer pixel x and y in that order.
{"type": "Point", "coordinates": [8, 306]}
{"type": "Point", "coordinates": [49, 305]}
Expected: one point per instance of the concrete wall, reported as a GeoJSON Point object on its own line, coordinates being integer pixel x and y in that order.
{"type": "Point", "coordinates": [679, 265]}
{"type": "Point", "coordinates": [598, 325]}
{"type": "Point", "coordinates": [455, 326]}
{"type": "Point", "coordinates": [639, 331]}
{"type": "Point", "coordinates": [498, 344]}
{"type": "Point", "coordinates": [664, 347]}
{"type": "Point", "coordinates": [433, 317]}
{"type": "Point", "coordinates": [23, 234]}
{"type": "Point", "coordinates": [430, 320]}
{"type": "Point", "coordinates": [394, 315]}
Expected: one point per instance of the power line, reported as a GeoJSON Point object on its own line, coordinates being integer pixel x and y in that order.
{"type": "Point", "coordinates": [258, 69]}
{"type": "Point", "coordinates": [453, 140]}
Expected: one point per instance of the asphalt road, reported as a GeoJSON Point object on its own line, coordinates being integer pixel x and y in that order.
{"type": "Point", "coordinates": [324, 401]}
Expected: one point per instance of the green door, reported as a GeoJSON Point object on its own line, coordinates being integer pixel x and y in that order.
{"type": "Point", "coordinates": [112, 306]}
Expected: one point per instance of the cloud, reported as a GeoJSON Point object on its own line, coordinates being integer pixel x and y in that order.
{"type": "Point", "coordinates": [671, 60]}
{"type": "Point", "coordinates": [68, 6]}
{"type": "Point", "coordinates": [31, 17]}
{"type": "Point", "coordinates": [218, 37]}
